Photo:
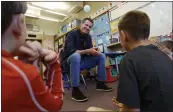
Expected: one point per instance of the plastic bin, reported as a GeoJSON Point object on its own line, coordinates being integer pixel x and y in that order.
{"type": "Point", "coordinates": [111, 74]}
{"type": "Point", "coordinates": [112, 61]}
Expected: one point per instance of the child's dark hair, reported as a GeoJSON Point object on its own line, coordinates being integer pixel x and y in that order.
{"type": "Point", "coordinates": [8, 9]}
{"type": "Point", "coordinates": [136, 23]}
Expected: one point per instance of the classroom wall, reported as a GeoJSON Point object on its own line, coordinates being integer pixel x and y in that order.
{"type": "Point", "coordinates": [160, 14]}
{"type": "Point", "coordinates": [49, 27]}
{"type": "Point", "coordinates": [95, 6]}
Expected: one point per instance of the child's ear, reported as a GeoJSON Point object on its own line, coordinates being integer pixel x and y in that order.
{"type": "Point", "coordinates": [125, 35]}
{"type": "Point", "coordinates": [122, 33]}
{"type": "Point", "coordinates": [16, 26]}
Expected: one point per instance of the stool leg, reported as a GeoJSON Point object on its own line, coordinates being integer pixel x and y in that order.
{"type": "Point", "coordinates": [83, 80]}
{"type": "Point", "coordinates": [92, 75]}
{"type": "Point", "coordinates": [69, 83]}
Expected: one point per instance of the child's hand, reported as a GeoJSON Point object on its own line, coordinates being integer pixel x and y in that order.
{"type": "Point", "coordinates": [29, 52]}
{"type": "Point", "coordinates": [120, 105]}
{"type": "Point", "coordinates": [48, 55]}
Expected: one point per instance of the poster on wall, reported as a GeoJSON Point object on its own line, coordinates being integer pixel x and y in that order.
{"type": "Point", "coordinates": [114, 30]}
{"type": "Point", "coordinates": [114, 26]}
{"type": "Point", "coordinates": [101, 31]}
{"type": "Point", "coordinates": [94, 42]}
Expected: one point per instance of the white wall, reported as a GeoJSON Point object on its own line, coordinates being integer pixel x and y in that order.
{"type": "Point", "coordinates": [95, 6]}
{"type": "Point", "coordinates": [160, 14]}
{"type": "Point", "coordinates": [49, 27]}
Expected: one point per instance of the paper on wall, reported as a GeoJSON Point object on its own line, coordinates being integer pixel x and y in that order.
{"type": "Point", "coordinates": [100, 41]}
{"type": "Point", "coordinates": [101, 48]}
{"type": "Point", "coordinates": [107, 38]}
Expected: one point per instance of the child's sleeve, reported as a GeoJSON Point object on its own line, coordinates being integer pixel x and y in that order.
{"type": "Point", "coordinates": [50, 97]}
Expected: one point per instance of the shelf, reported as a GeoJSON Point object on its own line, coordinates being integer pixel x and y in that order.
{"type": "Point", "coordinates": [66, 33]}
{"type": "Point", "coordinates": [34, 38]}
{"type": "Point", "coordinates": [104, 12]}
{"type": "Point", "coordinates": [114, 44]}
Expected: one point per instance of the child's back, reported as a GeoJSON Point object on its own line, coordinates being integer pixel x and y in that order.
{"type": "Point", "coordinates": [146, 76]}
{"type": "Point", "coordinates": [151, 72]}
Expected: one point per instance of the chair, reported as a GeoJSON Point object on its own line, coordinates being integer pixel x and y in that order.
{"type": "Point", "coordinates": [66, 76]}
{"type": "Point", "coordinates": [67, 82]}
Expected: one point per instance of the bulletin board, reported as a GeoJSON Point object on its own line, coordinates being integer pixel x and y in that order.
{"type": "Point", "coordinates": [100, 32]}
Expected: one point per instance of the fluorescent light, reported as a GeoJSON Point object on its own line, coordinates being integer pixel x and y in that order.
{"type": "Point", "coordinates": [30, 15]}
{"type": "Point", "coordinates": [72, 8]}
{"type": "Point", "coordinates": [42, 17]}
{"type": "Point", "coordinates": [33, 7]}
{"type": "Point", "coordinates": [53, 12]}
{"type": "Point", "coordinates": [50, 19]}
{"type": "Point", "coordinates": [52, 5]}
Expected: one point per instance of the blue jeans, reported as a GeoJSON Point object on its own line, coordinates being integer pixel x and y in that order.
{"type": "Point", "coordinates": [78, 63]}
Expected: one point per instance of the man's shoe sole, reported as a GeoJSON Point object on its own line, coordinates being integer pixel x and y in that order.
{"type": "Point", "coordinates": [109, 90]}
{"type": "Point", "coordinates": [79, 100]}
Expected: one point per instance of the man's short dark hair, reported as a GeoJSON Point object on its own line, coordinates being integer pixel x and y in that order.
{"type": "Point", "coordinates": [8, 9]}
{"type": "Point", "coordinates": [136, 23]}
{"type": "Point", "coordinates": [89, 19]}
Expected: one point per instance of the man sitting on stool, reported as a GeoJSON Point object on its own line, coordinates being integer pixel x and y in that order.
{"type": "Point", "coordinates": [79, 54]}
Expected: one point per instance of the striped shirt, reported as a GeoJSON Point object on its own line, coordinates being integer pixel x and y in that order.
{"type": "Point", "coordinates": [23, 89]}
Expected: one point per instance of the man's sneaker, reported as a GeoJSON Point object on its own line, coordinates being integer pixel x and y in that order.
{"type": "Point", "coordinates": [101, 86]}
{"type": "Point", "coordinates": [77, 95]}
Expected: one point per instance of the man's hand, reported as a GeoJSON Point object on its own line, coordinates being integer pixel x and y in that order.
{"type": "Point", "coordinates": [93, 51]}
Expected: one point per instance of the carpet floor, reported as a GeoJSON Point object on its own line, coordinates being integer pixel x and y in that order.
{"type": "Point", "coordinates": [96, 98]}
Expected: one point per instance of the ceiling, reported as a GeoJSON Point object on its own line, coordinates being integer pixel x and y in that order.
{"type": "Point", "coordinates": [53, 11]}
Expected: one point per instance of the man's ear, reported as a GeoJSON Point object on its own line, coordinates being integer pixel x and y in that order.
{"type": "Point", "coordinates": [81, 24]}
{"type": "Point", "coordinates": [17, 22]}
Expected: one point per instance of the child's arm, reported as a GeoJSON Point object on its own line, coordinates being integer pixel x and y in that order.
{"type": "Point", "coordinates": [50, 97]}
{"type": "Point", "coordinates": [124, 108]}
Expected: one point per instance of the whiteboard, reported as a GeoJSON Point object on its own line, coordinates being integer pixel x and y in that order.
{"type": "Point", "coordinates": [160, 14]}
{"type": "Point", "coordinates": [122, 9]}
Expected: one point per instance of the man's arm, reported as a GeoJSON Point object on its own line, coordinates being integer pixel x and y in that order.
{"type": "Point", "coordinates": [70, 45]}
{"type": "Point", "coordinates": [128, 93]}
{"type": "Point", "coordinates": [90, 49]}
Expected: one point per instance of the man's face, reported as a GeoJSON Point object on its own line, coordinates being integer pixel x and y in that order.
{"type": "Point", "coordinates": [86, 26]}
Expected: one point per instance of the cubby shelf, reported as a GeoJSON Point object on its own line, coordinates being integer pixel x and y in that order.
{"type": "Point", "coordinates": [113, 44]}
